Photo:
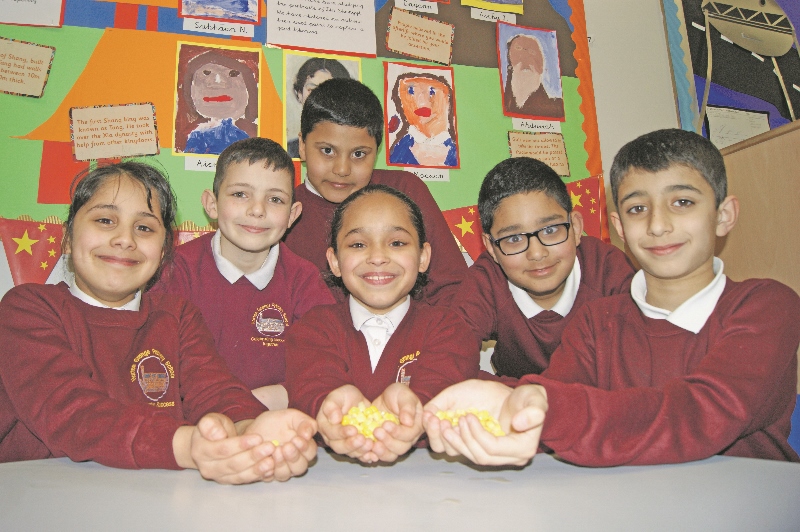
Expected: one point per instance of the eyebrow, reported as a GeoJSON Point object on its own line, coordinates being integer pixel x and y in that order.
{"type": "Point", "coordinates": [516, 228]}
{"type": "Point", "coordinates": [671, 188]}
{"type": "Point", "coordinates": [112, 207]}
{"type": "Point", "coordinates": [359, 230]}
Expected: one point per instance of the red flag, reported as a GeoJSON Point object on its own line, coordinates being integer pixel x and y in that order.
{"type": "Point", "coordinates": [589, 199]}
{"type": "Point", "coordinates": [466, 227]}
{"type": "Point", "coordinates": [182, 237]}
{"type": "Point", "coordinates": [32, 249]}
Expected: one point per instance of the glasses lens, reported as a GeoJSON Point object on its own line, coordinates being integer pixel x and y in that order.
{"type": "Point", "coordinates": [552, 235]}
{"type": "Point", "coordinates": [514, 244]}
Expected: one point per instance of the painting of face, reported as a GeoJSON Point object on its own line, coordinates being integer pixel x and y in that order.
{"type": "Point", "coordinates": [312, 82]}
{"type": "Point", "coordinates": [524, 53]}
{"type": "Point", "coordinates": [426, 104]}
{"type": "Point", "coordinates": [219, 92]}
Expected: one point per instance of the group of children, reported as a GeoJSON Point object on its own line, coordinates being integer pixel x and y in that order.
{"type": "Point", "coordinates": [217, 337]}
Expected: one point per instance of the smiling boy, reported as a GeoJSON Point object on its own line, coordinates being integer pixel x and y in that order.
{"type": "Point", "coordinates": [537, 270]}
{"type": "Point", "coordinates": [688, 365]}
{"type": "Point", "coordinates": [341, 129]}
{"type": "Point", "coordinates": [249, 287]}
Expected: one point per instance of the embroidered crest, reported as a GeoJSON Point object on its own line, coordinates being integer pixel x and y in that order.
{"type": "Point", "coordinates": [270, 320]}
{"type": "Point", "coordinates": [153, 377]}
{"type": "Point", "coordinates": [401, 371]}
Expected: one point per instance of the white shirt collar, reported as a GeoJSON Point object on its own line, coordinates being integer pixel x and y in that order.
{"type": "Point", "coordinates": [260, 278]}
{"type": "Point", "coordinates": [563, 306]}
{"type": "Point", "coordinates": [133, 304]}
{"type": "Point", "coordinates": [311, 188]}
{"type": "Point", "coordinates": [376, 328]}
{"type": "Point", "coordinates": [693, 313]}
{"type": "Point", "coordinates": [420, 137]}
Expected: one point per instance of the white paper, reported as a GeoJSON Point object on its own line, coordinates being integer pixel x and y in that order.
{"type": "Point", "coordinates": [200, 164]}
{"type": "Point", "coordinates": [525, 124]}
{"type": "Point", "coordinates": [729, 126]}
{"type": "Point", "coordinates": [492, 16]}
{"type": "Point", "coordinates": [31, 12]}
{"type": "Point", "coordinates": [344, 26]}
{"type": "Point", "coordinates": [422, 6]}
{"type": "Point", "coordinates": [218, 28]}
{"type": "Point", "coordinates": [431, 174]}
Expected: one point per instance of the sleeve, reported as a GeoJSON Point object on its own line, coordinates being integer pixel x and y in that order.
{"type": "Point", "coordinates": [450, 356]}
{"type": "Point", "coordinates": [617, 272]}
{"type": "Point", "coordinates": [53, 394]}
{"type": "Point", "coordinates": [447, 267]}
{"type": "Point", "coordinates": [310, 291]}
{"type": "Point", "coordinates": [175, 278]}
{"type": "Point", "coordinates": [475, 302]}
{"type": "Point", "coordinates": [207, 384]}
{"type": "Point", "coordinates": [315, 365]}
{"type": "Point", "coordinates": [737, 389]}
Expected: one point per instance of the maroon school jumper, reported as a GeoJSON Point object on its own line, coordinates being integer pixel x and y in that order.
{"type": "Point", "coordinates": [524, 345]}
{"type": "Point", "coordinates": [107, 385]}
{"type": "Point", "coordinates": [310, 235]}
{"type": "Point", "coordinates": [645, 391]}
{"type": "Point", "coordinates": [249, 325]}
{"type": "Point", "coordinates": [428, 350]}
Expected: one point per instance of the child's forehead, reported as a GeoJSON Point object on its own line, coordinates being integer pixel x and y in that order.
{"type": "Point", "coordinates": [674, 175]}
{"type": "Point", "coordinates": [531, 203]}
{"type": "Point", "coordinates": [378, 208]}
{"type": "Point", "coordinates": [257, 174]}
{"type": "Point", "coordinates": [122, 189]}
{"type": "Point", "coordinates": [338, 134]}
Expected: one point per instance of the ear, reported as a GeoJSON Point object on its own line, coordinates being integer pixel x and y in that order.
{"type": "Point", "coordinates": [333, 262]}
{"type": "Point", "coordinates": [576, 219]}
{"type": "Point", "coordinates": [294, 213]}
{"type": "Point", "coordinates": [209, 202]}
{"type": "Point", "coordinates": [425, 257]}
{"type": "Point", "coordinates": [617, 223]}
{"type": "Point", "coordinates": [301, 147]}
{"type": "Point", "coordinates": [489, 246]}
{"type": "Point", "coordinates": [727, 214]}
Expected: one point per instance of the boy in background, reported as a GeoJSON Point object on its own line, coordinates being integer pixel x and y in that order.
{"type": "Point", "coordinates": [689, 365]}
{"type": "Point", "coordinates": [249, 287]}
{"type": "Point", "coordinates": [341, 129]}
{"type": "Point", "coordinates": [537, 270]}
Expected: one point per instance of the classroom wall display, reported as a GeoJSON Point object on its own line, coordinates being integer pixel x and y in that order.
{"type": "Point", "coordinates": [116, 54]}
{"type": "Point", "coordinates": [754, 60]}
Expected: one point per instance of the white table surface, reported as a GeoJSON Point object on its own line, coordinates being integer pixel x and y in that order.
{"type": "Point", "coordinates": [422, 492]}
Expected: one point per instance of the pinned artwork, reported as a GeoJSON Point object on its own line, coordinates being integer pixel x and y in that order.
{"type": "Point", "coordinates": [24, 67]}
{"type": "Point", "coordinates": [420, 37]}
{"type": "Point", "coordinates": [502, 6]}
{"type": "Point", "coordinates": [421, 116]}
{"type": "Point", "coordinates": [303, 73]}
{"type": "Point", "coordinates": [243, 11]}
{"type": "Point", "coordinates": [530, 75]}
{"type": "Point", "coordinates": [32, 12]}
{"type": "Point", "coordinates": [547, 147]}
{"type": "Point", "coordinates": [216, 100]}
{"type": "Point", "coordinates": [113, 131]}
{"type": "Point", "coordinates": [31, 248]}
{"type": "Point", "coordinates": [465, 225]}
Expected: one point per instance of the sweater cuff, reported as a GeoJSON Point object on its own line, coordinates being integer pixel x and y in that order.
{"type": "Point", "coordinates": [152, 445]}
{"type": "Point", "coordinates": [564, 416]}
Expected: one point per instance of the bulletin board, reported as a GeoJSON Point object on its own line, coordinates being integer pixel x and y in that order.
{"type": "Point", "coordinates": [108, 55]}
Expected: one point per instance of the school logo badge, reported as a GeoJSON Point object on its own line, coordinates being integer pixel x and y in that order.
{"type": "Point", "coordinates": [153, 373]}
{"type": "Point", "coordinates": [270, 320]}
{"type": "Point", "coordinates": [401, 370]}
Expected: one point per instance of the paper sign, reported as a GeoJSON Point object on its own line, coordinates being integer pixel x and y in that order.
{"type": "Point", "coordinates": [218, 28]}
{"type": "Point", "coordinates": [423, 6]}
{"type": "Point", "coordinates": [505, 6]}
{"type": "Point", "coordinates": [492, 16]}
{"type": "Point", "coordinates": [343, 26]}
{"type": "Point", "coordinates": [547, 147]}
{"type": "Point", "coordinates": [432, 174]}
{"type": "Point", "coordinates": [113, 131]}
{"type": "Point", "coordinates": [200, 164]}
{"type": "Point", "coordinates": [24, 67]}
{"type": "Point", "coordinates": [729, 126]}
{"type": "Point", "coordinates": [419, 37]}
{"type": "Point", "coordinates": [32, 12]}
{"type": "Point", "coordinates": [536, 125]}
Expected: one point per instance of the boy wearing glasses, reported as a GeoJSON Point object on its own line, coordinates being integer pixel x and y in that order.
{"type": "Point", "coordinates": [537, 269]}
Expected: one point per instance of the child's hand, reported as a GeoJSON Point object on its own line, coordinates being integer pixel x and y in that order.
{"type": "Point", "coordinates": [521, 414]}
{"type": "Point", "coordinates": [344, 439]}
{"type": "Point", "coordinates": [393, 439]}
{"type": "Point", "coordinates": [214, 448]}
{"type": "Point", "coordinates": [294, 432]}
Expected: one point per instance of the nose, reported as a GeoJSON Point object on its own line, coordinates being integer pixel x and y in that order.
{"type": "Point", "coordinates": [257, 208]}
{"type": "Point", "coordinates": [536, 250]}
{"type": "Point", "coordinates": [123, 238]}
{"type": "Point", "coordinates": [377, 255]}
{"type": "Point", "coordinates": [341, 165]}
{"type": "Point", "coordinates": [659, 221]}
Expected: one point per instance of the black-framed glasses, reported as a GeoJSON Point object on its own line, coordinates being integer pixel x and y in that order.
{"type": "Point", "coordinates": [548, 236]}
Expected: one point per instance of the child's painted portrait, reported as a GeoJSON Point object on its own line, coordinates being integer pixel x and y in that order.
{"type": "Point", "coordinates": [421, 116]}
{"type": "Point", "coordinates": [216, 98]}
{"type": "Point", "coordinates": [530, 74]}
{"type": "Point", "coordinates": [242, 11]}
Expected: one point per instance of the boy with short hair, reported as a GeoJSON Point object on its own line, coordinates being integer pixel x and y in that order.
{"type": "Point", "coordinates": [249, 287]}
{"type": "Point", "coordinates": [341, 129]}
{"type": "Point", "coordinates": [537, 270]}
{"type": "Point", "coordinates": [689, 365]}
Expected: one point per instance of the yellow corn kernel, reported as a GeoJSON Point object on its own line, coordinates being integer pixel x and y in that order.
{"type": "Point", "coordinates": [276, 443]}
{"type": "Point", "coordinates": [367, 419]}
{"type": "Point", "coordinates": [487, 421]}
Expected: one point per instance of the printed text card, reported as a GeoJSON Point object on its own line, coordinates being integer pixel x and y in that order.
{"type": "Point", "coordinates": [420, 37]}
{"type": "Point", "coordinates": [113, 131]}
{"type": "Point", "coordinates": [24, 67]}
{"type": "Point", "coordinates": [547, 147]}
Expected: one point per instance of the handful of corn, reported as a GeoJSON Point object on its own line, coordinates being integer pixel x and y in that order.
{"type": "Point", "coordinates": [367, 419]}
{"type": "Point", "coordinates": [487, 421]}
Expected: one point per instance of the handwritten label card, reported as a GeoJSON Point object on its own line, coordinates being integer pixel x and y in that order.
{"type": "Point", "coordinates": [24, 67]}
{"type": "Point", "coordinates": [32, 12]}
{"type": "Point", "coordinates": [344, 26]}
{"type": "Point", "coordinates": [218, 28]}
{"type": "Point", "coordinates": [200, 164]}
{"type": "Point", "coordinates": [423, 6]}
{"type": "Point", "coordinates": [419, 37]}
{"type": "Point", "coordinates": [547, 147]}
{"type": "Point", "coordinates": [538, 126]}
{"type": "Point", "coordinates": [113, 131]}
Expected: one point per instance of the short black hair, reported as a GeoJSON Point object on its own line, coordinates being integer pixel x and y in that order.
{"type": "Point", "coordinates": [253, 150]}
{"type": "Point", "coordinates": [345, 102]}
{"type": "Point", "coordinates": [314, 65]}
{"type": "Point", "coordinates": [659, 150]}
{"type": "Point", "coordinates": [518, 175]}
{"type": "Point", "coordinates": [87, 183]}
{"type": "Point", "coordinates": [414, 213]}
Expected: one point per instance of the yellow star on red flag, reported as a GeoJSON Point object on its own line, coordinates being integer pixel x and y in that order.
{"type": "Point", "coordinates": [24, 243]}
{"type": "Point", "coordinates": [465, 226]}
{"type": "Point", "coordinates": [576, 199]}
